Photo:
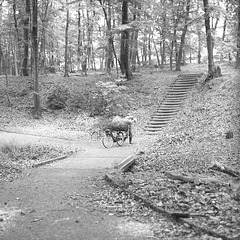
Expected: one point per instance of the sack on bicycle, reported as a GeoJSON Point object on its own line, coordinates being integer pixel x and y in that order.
{"type": "Point", "coordinates": [123, 124]}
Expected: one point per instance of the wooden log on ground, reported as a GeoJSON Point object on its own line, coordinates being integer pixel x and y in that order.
{"type": "Point", "coordinates": [195, 180]}
{"type": "Point", "coordinates": [173, 216]}
{"type": "Point", "coordinates": [221, 168]}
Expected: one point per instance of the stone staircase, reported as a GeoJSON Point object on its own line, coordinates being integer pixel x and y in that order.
{"type": "Point", "coordinates": [172, 103]}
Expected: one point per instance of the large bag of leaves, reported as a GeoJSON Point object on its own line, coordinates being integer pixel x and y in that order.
{"type": "Point", "coordinates": [121, 124]}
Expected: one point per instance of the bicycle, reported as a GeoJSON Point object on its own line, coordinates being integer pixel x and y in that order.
{"type": "Point", "coordinates": [111, 136]}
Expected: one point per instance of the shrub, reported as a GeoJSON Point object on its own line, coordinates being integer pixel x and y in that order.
{"type": "Point", "coordinates": [57, 97]}
{"type": "Point", "coordinates": [104, 99]}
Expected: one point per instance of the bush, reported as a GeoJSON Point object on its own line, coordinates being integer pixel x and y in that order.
{"type": "Point", "coordinates": [104, 99]}
{"type": "Point", "coordinates": [57, 97]}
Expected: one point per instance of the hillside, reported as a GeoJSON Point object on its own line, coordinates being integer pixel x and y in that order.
{"type": "Point", "coordinates": [175, 173]}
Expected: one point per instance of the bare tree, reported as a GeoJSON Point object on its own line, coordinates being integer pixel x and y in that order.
{"type": "Point", "coordinates": [238, 38]}
{"type": "Point", "coordinates": [6, 76]}
{"type": "Point", "coordinates": [209, 37]}
{"type": "Point", "coordinates": [25, 71]}
{"type": "Point", "coordinates": [125, 68]}
{"type": "Point", "coordinates": [66, 42]}
{"type": "Point", "coordinates": [37, 106]}
{"type": "Point", "coordinates": [180, 52]}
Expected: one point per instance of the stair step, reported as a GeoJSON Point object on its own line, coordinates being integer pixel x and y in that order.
{"type": "Point", "coordinates": [185, 82]}
{"type": "Point", "coordinates": [154, 120]}
{"type": "Point", "coordinates": [157, 124]}
{"type": "Point", "coordinates": [178, 91]}
{"type": "Point", "coordinates": [166, 117]}
{"type": "Point", "coordinates": [172, 92]}
{"type": "Point", "coordinates": [188, 77]}
{"type": "Point", "coordinates": [174, 98]}
{"type": "Point", "coordinates": [161, 110]}
{"type": "Point", "coordinates": [172, 102]}
{"type": "Point", "coordinates": [168, 107]}
{"type": "Point", "coordinates": [181, 87]}
{"type": "Point", "coordinates": [164, 114]}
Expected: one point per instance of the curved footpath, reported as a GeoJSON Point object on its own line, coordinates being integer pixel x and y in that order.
{"type": "Point", "coordinates": [53, 201]}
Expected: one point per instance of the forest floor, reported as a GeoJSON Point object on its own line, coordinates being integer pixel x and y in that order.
{"type": "Point", "coordinates": [188, 146]}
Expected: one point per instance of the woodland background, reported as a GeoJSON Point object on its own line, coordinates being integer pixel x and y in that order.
{"type": "Point", "coordinates": [67, 66]}
{"type": "Point", "coordinates": [40, 37]}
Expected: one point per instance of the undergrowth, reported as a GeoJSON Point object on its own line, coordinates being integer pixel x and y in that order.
{"type": "Point", "coordinates": [15, 157]}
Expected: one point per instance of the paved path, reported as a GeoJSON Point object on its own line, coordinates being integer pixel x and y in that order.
{"type": "Point", "coordinates": [52, 202]}
{"type": "Point", "coordinates": [94, 156]}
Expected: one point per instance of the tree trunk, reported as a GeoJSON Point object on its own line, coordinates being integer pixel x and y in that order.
{"type": "Point", "coordinates": [163, 52]}
{"type": "Point", "coordinates": [17, 39]}
{"type": "Point", "coordinates": [199, 34]}
{"type": "Point", "coordinates": [209, 38]}
{"type": "Point", "coordinates": [80, 38]}
{"type": "Point", "coordinates": [110, 50]}
{"type": "Point", "coordinates": [182, 43]}
{"type": "Point", "coordinates": [199, 56]}
{"type": "Point", "coordinates": [157, 55]}
{"type": "Point", "coordinates": [134, 42]}
{"type": "Point", "coordinates": [42, 54]}
{"type": "Point", "coordinates": [89, 40]}
{"type": "Point", "coordinates": [37, 106]}
{"type": "Point", "coordinates": [66, 43]}
{"type": "Point", "coordinates": [175, 16]}
{"type": "Point", "coordinates": [238, 39]}
{"type": "Point", "coordinates": [25, 71]}
{"type": "Point", "coordinates": [110, 42]}
{"type": "Point", "coordinates": [225, 20]}
{"type": "Point", "coordinates": [172, 46]}
{"type": "Point", "coordinates": [144, 50]}
{"type": "Point", "coordinates": [149, 50]}
{"type": "Point", "coordinates": [4, 70]}
{"type": "Point", "coordinates": [1, 57]}
{"type": "Point", "coordinates": [125, 68]}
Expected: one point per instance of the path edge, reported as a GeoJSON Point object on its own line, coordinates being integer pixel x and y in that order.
{"type": "Point", "coordinates": [49, 161]}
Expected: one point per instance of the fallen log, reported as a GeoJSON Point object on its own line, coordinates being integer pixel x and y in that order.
{"type": "Point", "coordinates": [195, 180]}
{"type": "Point", "coordinates": [221, 168]}
{"type": "Point", "coordinates": [177, 217]}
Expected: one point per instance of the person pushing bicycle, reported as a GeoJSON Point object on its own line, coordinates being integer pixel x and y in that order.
{"type": "Point", "coordinates": [125, 124]}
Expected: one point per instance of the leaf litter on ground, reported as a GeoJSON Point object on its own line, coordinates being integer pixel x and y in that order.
{"type": "Point", "coordinates": [189, 146]}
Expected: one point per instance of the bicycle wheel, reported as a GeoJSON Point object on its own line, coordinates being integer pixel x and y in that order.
{"type": "Point", "coordinates": [120, 139]}
{"type": "Point", "coordinates": [107, 141]}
